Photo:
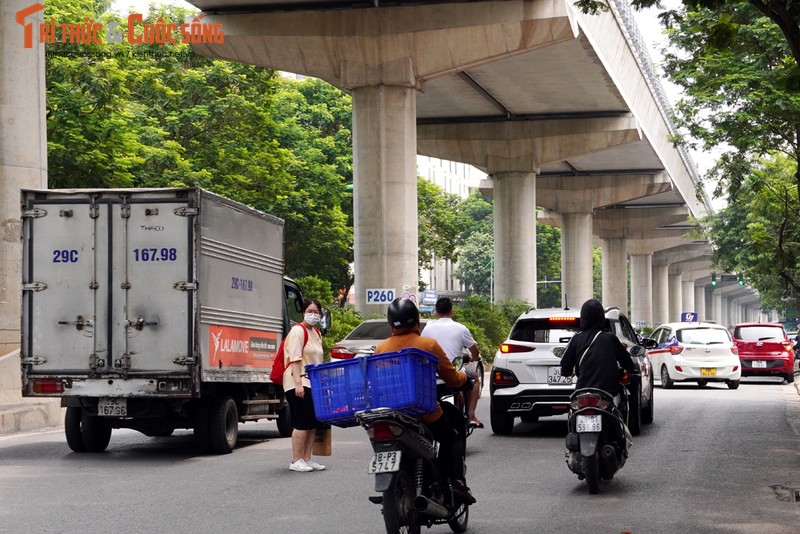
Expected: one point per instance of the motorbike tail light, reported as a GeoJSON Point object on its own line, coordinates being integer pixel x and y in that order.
{"type": "Point", "coordinates": [384, 431]}
{"type": "Point", "coordinates": [504, 377]}
{"type": "Point", "coordinates": [588, 412]}
{"type": "Point", "coordinates": [341, 353]}
{"type": "Point", "coordinates": [625, 379]}
{"type": "Point", "coordinates": [589, 401]}
{"type": "Point", "coordinates": [675, 349]}
{"type": "Point", "coordinates": [734, 350]}
{"type": "Point", "coordinates": [505, 348]}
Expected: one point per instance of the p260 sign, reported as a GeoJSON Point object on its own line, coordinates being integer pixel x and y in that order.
{"type": "Point", "coordinates": [380, 296]}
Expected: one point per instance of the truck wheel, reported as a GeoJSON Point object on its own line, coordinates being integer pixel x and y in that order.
{"type": "Point", "coordinates": [72, 429]}
{"type": "Point", "coordinates": [224, 425]}
{"type": "Point", "coordinates": [284, 422]}
{"type": "Point", "coordinates": [96, 433]}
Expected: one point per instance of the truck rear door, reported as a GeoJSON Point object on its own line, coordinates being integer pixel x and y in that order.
{"type": "Point", "coordinates": [108, 283]}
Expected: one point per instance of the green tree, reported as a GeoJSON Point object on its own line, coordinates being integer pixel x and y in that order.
{"type": "Point", "coordinates": [437, 222]}
{"type": "Point", "coordinates": [475, 264]}
{"type": "Point", "coordinates": [475, 215]}
{"type": "Point", "coordinates": [548, 266]}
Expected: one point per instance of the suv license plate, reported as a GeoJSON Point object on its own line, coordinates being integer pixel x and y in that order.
{"type": "Point", "coordinates": [708, 371]}
{"type": "Point", "coordinates": [760, 364]}
{"type": "Point", "coordinates": [589, 423]}
{"type": "Point", "coordinates": [554, 376]}
{"type": "Point", "coordinates": [112, 407]}
{"type": "Point", "coordinates": [385, 462]}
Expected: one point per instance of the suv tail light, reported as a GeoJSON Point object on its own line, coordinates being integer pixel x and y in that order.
{"type": "Point", "coordinates": [675, 349]}
{"type": "Point", "coordinates": [505, 348]}
{"type": "Point", "coordinates": [504, 378]}
{"type": "Point", "coordinates": [342, 353]}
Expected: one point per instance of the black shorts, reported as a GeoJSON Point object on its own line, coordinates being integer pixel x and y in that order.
{"type": "Point", "coordinates": [302, 411]}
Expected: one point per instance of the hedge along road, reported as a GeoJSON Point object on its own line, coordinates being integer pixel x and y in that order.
{"type": "Point", "coordinates": [714, 461]}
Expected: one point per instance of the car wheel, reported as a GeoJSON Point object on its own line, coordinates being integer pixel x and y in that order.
{"type": "Point", "coordinates": [789, 378]}
{"type": "Point", "coordinates": [634, 412]}
{"type": "Point", "coordinates": [702, 383]}
{"type": "Point", "coordinates": [733, 384]}
{"type": "Point", "coordinates": [666, 381]}
{"type": "Point", "coordinates": [647, 415]}
{"type": "Point", "coordinates": [502, 423]}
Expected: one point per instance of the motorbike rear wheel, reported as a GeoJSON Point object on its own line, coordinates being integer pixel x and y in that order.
{"type": "Point", "coordinates": [398, 506]}
{"type": "Point", "coordinates": [458, 523]}
{"type": "Point", "coordinates": [591, 470]}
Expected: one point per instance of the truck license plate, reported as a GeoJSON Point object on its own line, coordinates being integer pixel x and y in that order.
{"type": "Point", "coordinates": [589, 423]}
{"type": "Point", "coordinates": [112, 407]}
{"type": "Point", "coordinates": [385, 462]}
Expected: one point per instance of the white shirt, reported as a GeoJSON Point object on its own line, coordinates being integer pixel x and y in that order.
{"type": "Point", "coordinates": [452, 336]}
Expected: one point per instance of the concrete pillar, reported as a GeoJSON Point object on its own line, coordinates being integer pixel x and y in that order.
{"type": "Point", "coordinates": [687, 297]}
{"type": "Point", "coordinates": [576, 258]}
{"type": "Point", "coordinates": [725, 311]}
{"type": "Point", "coordinates": [675, 297]}
{"type": "Point", "coordinates": [385, 177]}
{"type": "Point", "coordinates": [23, 150]}
{"type": "Point", "coordinates": [515, 236]}
{"type": "Point", "coordinates": [716, 306]}
{"type": "Point", "coordinates": [642, 288]}
{"type": "Point", "coordinates": [615, 274]}
{"type": "Point", "coordinates": [700, 302]}
{"type": "Point", "coordinates": [660, 294]}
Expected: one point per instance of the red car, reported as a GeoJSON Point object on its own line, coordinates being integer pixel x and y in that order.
{"type": "Point", "coordinates": [765, 350]}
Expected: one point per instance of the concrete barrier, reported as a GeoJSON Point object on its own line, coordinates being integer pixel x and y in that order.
{"type": "Point", "coordinates": [19, 414]}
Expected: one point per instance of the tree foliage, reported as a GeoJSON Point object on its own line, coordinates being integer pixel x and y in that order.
{"type": "Point", "coordinates": [438, 223]}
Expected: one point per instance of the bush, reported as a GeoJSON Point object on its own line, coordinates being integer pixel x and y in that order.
{"type": "Point", "coordinates": [314, 287]}
{"type": "Point", "coordinates": [492, 322]}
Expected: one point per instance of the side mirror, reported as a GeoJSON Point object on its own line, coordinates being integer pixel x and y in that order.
{"type": "Point", "coordinates": [325, 321]}
{"type": "Point", "coordinates": [649, 343]}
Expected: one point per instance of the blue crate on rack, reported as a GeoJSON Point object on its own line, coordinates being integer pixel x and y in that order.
{"type": "Point", "coordinates": [404, 380]}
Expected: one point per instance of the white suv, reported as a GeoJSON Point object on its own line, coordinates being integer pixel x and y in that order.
{"type": "Point", "coordinates": [695, 352]}
{"type": "Point", "coordinates": [526, 379]}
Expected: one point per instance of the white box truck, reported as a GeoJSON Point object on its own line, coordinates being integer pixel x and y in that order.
{"type": "Point", "coordinates": [153, 309]}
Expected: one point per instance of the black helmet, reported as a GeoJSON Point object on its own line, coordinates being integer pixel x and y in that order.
{"type": "Point", "coordinates": [402, 313]}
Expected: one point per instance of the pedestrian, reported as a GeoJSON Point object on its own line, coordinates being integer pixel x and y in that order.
{"type": "Point", "coordinates": [454, 337]}
{"type": "Point", "coordinates": [301, 349]}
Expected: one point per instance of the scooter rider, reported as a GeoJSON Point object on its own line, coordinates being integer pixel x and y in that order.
{"type": "Point", "coordinates": [597, 368]}
{"type": "Point", "coordinates": [403, 317]}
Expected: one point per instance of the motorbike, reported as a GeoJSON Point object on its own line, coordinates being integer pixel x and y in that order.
{"type": "Point", "coordinates": [415, 490]}
{"type": "Point", "coordinates": [457, 397]}
{"type": "Point", "coordinates": [597, 441]}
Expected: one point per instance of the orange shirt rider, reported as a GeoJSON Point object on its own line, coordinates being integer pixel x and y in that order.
{"type": "Point", "coordinates": [409, 337]}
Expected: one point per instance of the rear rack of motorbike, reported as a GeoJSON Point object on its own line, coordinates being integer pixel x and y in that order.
{"type": "Point", "coordinates": [367, 417]}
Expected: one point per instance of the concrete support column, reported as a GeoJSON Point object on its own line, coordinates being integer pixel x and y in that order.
{"type": "Point", "coordinates": [23, 150]}
{"type": "Point", "coordinates": [675, 297]}
{"type": "Point", "coordinates": [687, 297]}
{"type": "Point", "coordinates": [615, 274]}
{"type": "Point", "coordinates": [576, 258]}
{"type": "Point", "coordinates": [716, 306]}
{"type": "Point", "coordinates": [700, 302]}
{"type": "Point", "coordinates": [725, 311]}
{"type": "Point", "coordinates": [515, 236]}
{"type": "Point", "coordinates": [385, 181]}
{"type": "Point", "coordinates": [642, 288]}
{"type": "Point", "coordinates": [660, 294]}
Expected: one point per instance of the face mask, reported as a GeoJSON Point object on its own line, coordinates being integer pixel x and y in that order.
{"type": "Point", "coordinates": [312, 318]}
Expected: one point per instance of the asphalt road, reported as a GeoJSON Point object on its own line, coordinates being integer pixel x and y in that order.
{"type": "Point", "coordinates": [714, 461]}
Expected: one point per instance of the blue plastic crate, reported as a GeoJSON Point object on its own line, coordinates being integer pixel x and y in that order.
{"type": "Point", "coordinates": [404, 380]}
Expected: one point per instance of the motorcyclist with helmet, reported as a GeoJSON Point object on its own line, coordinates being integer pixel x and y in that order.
{"type": "Point", "coordinates": [593, 354]}
{"type": "Point", "coordinates": [403, 317]}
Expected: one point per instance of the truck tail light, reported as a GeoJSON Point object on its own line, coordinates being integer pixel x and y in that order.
{"type": "Point", "coordinates": [48, 387]}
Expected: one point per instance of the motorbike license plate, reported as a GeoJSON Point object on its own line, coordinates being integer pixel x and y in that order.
{"type": "Point", "coordinates": [112, 407]}
{"type": "Point", "coordinates": [760, 364]}
{"type": "Point", "coordinates": [385, 462]}
{"type": "Point", "coordinates": [589, 423]}
{"type": "Point", "coordinates": [554, 376]}
{"type": "Point", "coordinates": [708, 371]}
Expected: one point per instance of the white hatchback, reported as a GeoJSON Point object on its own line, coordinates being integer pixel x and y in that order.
{"type": "Point", "coordinates": [695, 352]}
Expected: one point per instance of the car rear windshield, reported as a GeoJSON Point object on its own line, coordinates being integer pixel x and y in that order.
{"type": "Point", "coordinates": [759, 333]}
{"type": "Point", "coordinates": [375, 330]}
{"type": "Point", "coordinates": [703, 336]}
{"type": "Point", "coordinates": [545, 330]}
